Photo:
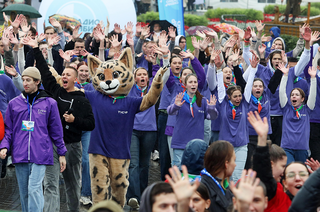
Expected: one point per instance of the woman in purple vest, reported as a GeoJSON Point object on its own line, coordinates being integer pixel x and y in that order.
{"type": "Point", "coordinates": [190, 108]}
{"type": "Point", "coordinates": [296, 117]}
{"type": "Point", "coordinates": [233, 111]}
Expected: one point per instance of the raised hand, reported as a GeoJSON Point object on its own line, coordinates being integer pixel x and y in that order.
{"type": "Point", "coordinates": [34, 25]}
{"type": "Point", "coordinates": [5, 37]}
{"type": "Point", "coordinates": [211, 33]}
{"type": "Point", "coordinates": [247, 185]}
{"type": "Point", "coordinates": [163, 38]}
{"type": "Point", "coordinates": [84, 53]}
{"type": "Point", "coordinates": [114, 41]}
{"type": "Point", "coordinates": [302, 28]}
{"type": "Point", "coordinates": [164, 49]}
{"type": "Point", "coordinates": [230, 43]}
{"type": "Point", "coordinates": [284, 57]}
{"type": "Point", "coordinates": [259, 26]}
{"type": "Point", "coordinates": [65, 55]}
{"type": "Point", "coordinates": [130, 40]}
{"type": "Point", "coordinates": [314, 37]}
{"type": "Point", "coordinates": [16, 22]}
{"type": "Point", "coordinates": [172, 32]}
{"type": "Point", "coordinates": [75, 33]}
{"type": "Point", "coordinates": [205, 42]}
{"type": "Point", "coordinates": [187, 54]}
{"type": "Point", "coordinates": [11, 70]}
{"type": "Point", "coordinates": [3, 153]}
{"type": "Point", "coordinates": [54, 40]}
{"type": "Point", "coordinates": [312, 71]}
{"type": "Point", "coordinates": [218, 62]}
{"type": "Point", "coordinates": [145, 32]}
{"type": "Point", "coordinates": [201, 34]}
{"type": "Point", "coordinates": [195, 42]}
{"type": "Point", "coordinates": [116, 55]}
{"type": "Point", "coordinates": [247, 33]}
{"type": "Point", "coordinates": [262, 48]}
{"type": "Point", "coordinates": [265, 38]}
{"type": "Point", "coordinates": [24, 25]}
{"type": "Point", "coordinates": [214, 54]}
{"type": "Point", "coordinates": [255, 61]}
{"type": "Point", "coordinates": [182, 187]}
{"type": "Point", "coordinates": [313, 164]}
{"type": "Point", "coordinates": [29, 41]}
{"type": "Point", "coordinates": [178, 101]}
{"type": "Point", "coordinates": [285, 70]}
{"type": "Point", "coordinates": [213, 100]}
{"type": "Point", "coordinates": [261, 126]}
{"type": "Point", "coordinates": [13, 39]}
{"type": "Point", "coordinates": [307, 34]}
{"type": "Point", "coordinates": [41, 37]}
{"type": "Point", "coordinates": [129, 27]}
{"type": "Point", "coordinates": [99, 35]}
{"type": "Point", "coordinates": [54, 22]}
{"type": "Point", "coordinates": [117, 28]}
{"type": "Point", "coordinates": [235, 56]}
{"type": "Point", "coordinates": [138, 27]}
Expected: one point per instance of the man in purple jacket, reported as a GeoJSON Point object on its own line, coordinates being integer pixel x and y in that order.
{"type": "Point", "coordinates": [31, 127]}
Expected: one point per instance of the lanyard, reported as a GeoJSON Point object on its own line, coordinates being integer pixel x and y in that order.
{"type": "Point", "coordinates": [115, 98]}
{"type": "Point", "coordinates": [141, 89]}
{"type": "Point", "coordinates": [187, 98]}
{"type": "Point", "coordinates": [257, 101]}
{"type": "Point", "coordinates": [205, 172]}
{"type": "Point", "coordinates": [29, 111]}
{"type": "Point", "coordinates": [297, 110]}
{"type": "Point", "coordinates": [234, 111]}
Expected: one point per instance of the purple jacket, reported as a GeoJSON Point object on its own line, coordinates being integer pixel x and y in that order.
{"type": "Point", "coordinates": [33, 147]}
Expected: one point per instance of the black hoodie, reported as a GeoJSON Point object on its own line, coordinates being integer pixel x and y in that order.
{"type": "Point", "coordinates": [81, 108]}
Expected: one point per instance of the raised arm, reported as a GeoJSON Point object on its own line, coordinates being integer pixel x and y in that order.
{"type": "Point", "coordinates": [252, 72]}
{"type": "Point", "coordinates": [305, 57]}
{"type": "Point", "coordinates": [283, 84]}
{"type": "Point", "coordinates": [211, 73]}
{"type": "Point", "coordinates": [313, 88]}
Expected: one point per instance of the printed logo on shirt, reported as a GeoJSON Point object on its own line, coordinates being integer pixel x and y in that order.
{"type": "Point", "coordinates": [42, 112]}
{"type": "Point", "coordinates": [303, 115]}
{"type": "Point", "coordinates": [122, 112]}
{"type": "Point", "coordinates": [200, 111]}
{"type": "Point", "coordinates": [266, 102]}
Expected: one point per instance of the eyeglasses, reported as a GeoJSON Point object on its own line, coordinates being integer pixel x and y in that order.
{"type": "Point", "coordinates": [301, 174]}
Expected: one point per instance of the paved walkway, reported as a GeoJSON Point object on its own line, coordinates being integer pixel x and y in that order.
{"type": "Point", "coordinates": [9, 191]}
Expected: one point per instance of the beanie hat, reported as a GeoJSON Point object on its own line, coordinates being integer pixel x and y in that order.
{"type": "Point", "coordinates": [32, 72]}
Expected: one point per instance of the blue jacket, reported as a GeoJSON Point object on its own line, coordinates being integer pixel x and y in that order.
{"type": "Point", "coordinates": [33, 147]}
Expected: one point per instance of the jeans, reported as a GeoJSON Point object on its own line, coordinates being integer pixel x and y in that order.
{"type": "Point", "coordinates": [241, 157]}
{"type": "Point", "coordinates": [51, 185]}
{"type": "Point", "coordinates": [296, 155]}
{"type": "Point", "coordinates": [30, 177]}
{"type": "Point", "coordinates": [177, 157]}
{"type": "Point", "coordinates": [276, 125]}
{"type": "Point", "coordinates": [314, 141]}
{"type": "Point", "coordinates": [207, 131]}
{"type": "Point", "coordinates": [165, 161]}
{"type": "Point", "coordinates": [86, 182]}
{"type": "Point", "coordinates": [142, 143]}
{"type": "Point", "coordinates": [214, 136]}
{"type": "Point", "coordinates": [72, 176]}
{"type": "Point", "coordinates": [169, 138]}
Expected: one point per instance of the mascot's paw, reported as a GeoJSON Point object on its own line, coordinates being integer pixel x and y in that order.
{"type": "Point", "coordinates": [160, 73]}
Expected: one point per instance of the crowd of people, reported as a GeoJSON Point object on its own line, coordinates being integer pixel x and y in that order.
{"type": "Point", "coordinates": [90, 107]}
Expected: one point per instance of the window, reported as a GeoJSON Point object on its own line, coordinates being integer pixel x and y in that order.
{"type": "Point", "coordinates": [267, 1]}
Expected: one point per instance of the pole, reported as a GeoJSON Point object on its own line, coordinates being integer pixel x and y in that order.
{"type": "Point", "coordinates": [308, 19]}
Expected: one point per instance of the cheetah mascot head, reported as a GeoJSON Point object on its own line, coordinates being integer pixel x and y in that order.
{"type": "Point", "coordinates": [113, 77]}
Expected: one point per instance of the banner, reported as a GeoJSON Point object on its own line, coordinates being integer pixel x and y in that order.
{"type": "Point", "coordinates": [172, 11]}
{"type": "Point", "coordinates": [89, 13]}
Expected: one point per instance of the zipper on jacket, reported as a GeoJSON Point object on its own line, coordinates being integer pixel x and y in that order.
{"type": "Point", "coordinates": [29, 136]}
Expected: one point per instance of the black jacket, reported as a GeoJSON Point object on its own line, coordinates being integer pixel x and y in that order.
{"type": "Point", "coordinates": [307, 199]}
{"type": "Point", "coordinates": [81, 108]}
{"type": "Point", "coordinates": [219, 202]}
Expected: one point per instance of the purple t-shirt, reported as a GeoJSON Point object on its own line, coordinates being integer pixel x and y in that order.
{"type": "Point", "coordinates": [295, 131]}
{"type": "Point", "coordinates": [114, 124]}
{"type": "Point", "coordinates": [145, 120]}
{"type": "Point", "coordinates": [235, 131]}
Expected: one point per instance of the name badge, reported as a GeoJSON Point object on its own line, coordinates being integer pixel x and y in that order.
{"type": "Point", "coordinates": [27, 126]}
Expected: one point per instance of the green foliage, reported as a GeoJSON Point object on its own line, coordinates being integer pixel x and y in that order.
{"type": "Point", "coordinates": [151, 16]}
{"type": "Point", "coordinates": [251, 14]}
{"type": "Point", "coordinates": [194, 20]}
{"type": "Point", "coordinates": [317, 5]}
{"type": "Point", "coordinates": [269, 9]}
{"type": "Point", "coordinates": [290, 42]}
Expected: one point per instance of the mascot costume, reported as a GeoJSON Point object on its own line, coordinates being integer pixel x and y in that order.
{"type": "Point", "coordinates": [114, 112]}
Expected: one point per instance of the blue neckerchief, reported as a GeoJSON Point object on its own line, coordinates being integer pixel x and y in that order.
{"type": "Point", "coordinates": [255, 100]}
{"type": "Point", "coordinates": [186, 97]}
{"type": "Point", "coordinates": [297, 79]}
{"type": "Point", "coordinates": [205, 172]}
{"type": "Point", "coordinates": [141, 89]}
